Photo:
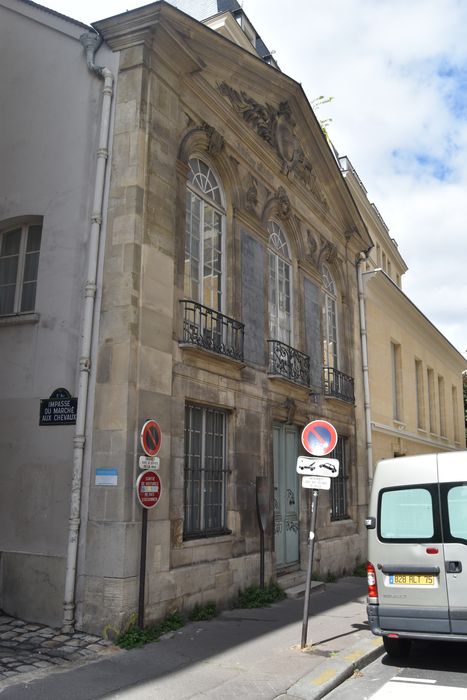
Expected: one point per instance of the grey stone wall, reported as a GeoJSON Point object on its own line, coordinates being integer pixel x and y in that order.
{"type": "Point", "coordinates": [313, 332]}
{"type": "Point", "coordinates": [253, 297]}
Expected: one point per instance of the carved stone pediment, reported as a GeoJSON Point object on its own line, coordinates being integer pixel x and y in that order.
{"type": "Point", "coordinates": [203, 136]}
{"type": "Point", "coordinates": [277, 127]}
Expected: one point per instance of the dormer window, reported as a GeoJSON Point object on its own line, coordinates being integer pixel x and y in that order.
{"type": "Point", "coordinates": [247, 28]}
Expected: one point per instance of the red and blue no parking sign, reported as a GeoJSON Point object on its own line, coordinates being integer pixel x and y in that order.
{"type": "Point", "coordinates": [319, 438]}
{"type": "Point", "coordinates": [151, 438]}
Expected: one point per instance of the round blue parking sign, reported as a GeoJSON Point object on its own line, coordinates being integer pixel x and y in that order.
{"type": "Point", "coordinates": [319, 438]}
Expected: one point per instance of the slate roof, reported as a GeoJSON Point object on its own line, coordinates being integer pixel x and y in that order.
{"type": "Point", "coordinates": [203, 9]}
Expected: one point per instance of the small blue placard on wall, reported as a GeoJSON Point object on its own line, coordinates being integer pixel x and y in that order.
{"type": "Point", "coordinates": [106, 477]}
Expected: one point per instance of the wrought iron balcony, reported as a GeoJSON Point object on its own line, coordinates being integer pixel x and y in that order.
{"type": "Point", "coordinates": [285, 361]}
{"type": "Point", "coordinates": [211, 330]}
{"type": "Point", "coordinates": [338, 384]}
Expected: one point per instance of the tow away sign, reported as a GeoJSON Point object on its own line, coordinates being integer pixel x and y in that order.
{"type": "Point", "coordinates": [317, 466]}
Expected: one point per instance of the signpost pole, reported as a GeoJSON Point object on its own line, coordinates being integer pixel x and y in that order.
{"type": "Point", "coordinates": [311, 543]}
{"type": "Point", "coordinates": [142, 567]}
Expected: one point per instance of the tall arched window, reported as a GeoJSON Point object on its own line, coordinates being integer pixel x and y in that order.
{"type": "Point", "coordinates": [204, 241]}
{"type": "Point", "coordinates": [330, 333]}
{"type": "Point", "coordinates": [280, 312]}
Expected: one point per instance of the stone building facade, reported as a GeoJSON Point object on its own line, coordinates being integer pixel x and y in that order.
{"type": "Point", "coordinates": [227, 215]}
{"type": "Point", "coordinates": [225, 308]}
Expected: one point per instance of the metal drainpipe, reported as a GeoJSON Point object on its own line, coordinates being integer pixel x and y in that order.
{"type": "Point", "coordinates": [366, 383]}
{"type": "Point", "coordinates": [91, 43]}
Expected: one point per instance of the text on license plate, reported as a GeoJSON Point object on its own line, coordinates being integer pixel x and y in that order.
{"type": "Point", "coordinates": [411, 580]}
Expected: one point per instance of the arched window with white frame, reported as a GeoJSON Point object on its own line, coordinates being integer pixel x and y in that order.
{"type": "Point", "coordinates": [204, 240]}
{"type": "Point", "coordinates": [280, 285]}
{"type": "Point", "coordinates": [330, 329]}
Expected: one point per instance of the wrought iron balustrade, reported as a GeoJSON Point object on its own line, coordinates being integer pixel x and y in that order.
{"type": "Point", "coordinates": [285, 361]}
{"type": "Point", "coordinates": [338, 384]}
{"type": "Point", "coordinates": [211, 330]}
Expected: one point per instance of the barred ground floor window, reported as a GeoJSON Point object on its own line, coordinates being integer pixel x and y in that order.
{"type": "Point", "coordinates": [205, 472]}
{"type": "Point", "coordinates": [339, 497]}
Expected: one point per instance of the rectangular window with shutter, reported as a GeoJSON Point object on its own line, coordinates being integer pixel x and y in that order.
{"type": "Point", "coordinates": [19, 263]}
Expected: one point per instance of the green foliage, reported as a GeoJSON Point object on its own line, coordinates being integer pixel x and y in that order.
{"type": "Point", "coordinates": [203, 612]}
{"type": "Point", "coordinates": [316, 104]}
{"type": "Point", "coordinates": [255, 597]}
{"type": "Point", "coordinates": [134, 636]}
{"type": "Point", "coordinates": [360, 570]}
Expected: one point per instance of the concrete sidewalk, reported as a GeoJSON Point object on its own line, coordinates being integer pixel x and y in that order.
{"type": "Point", "coordinates": [248, 654]}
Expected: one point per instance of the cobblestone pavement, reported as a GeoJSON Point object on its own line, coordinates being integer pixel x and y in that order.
{"type": "Point", "coordinates": [28, 647]}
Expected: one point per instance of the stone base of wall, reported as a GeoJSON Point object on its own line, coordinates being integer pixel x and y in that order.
{"type": "Point", "coordinates": [339, 557]}
{"type": "Point", "coordinates": [32, 587]}
{"type": "Point", "coordinates": [110, 605]}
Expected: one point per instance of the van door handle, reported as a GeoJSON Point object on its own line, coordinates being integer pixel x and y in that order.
{"type": "Point", "coordinates": [453, 567]}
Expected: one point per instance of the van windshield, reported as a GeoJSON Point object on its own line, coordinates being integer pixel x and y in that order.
{"type": "Point", "coordinates": [406, 514]}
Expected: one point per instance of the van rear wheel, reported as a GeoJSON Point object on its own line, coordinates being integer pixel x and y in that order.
{"type": "Point", "coordinates": [396, 647]}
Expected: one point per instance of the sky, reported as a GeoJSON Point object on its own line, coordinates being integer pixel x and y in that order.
{"type": "Point", "coordinates": [397, 73]}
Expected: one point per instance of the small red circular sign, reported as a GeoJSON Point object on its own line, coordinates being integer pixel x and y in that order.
{"type": "Point", "coordinates": [319, 438]}
{"type": "Point", "coordinates": [148, 488]}
{"type": "Point", "coordinates": [151, 438]}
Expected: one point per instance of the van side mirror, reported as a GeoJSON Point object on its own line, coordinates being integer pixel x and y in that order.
{"type": "Point", "coordinates": [370, 523]}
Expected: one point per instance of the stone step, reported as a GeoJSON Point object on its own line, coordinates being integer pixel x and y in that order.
{"type": "Point", "coordinates": [299, 590]}
{"type": "Point", "coordinates": [294, 584]}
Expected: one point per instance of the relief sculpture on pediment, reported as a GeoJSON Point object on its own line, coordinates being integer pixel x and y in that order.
{"type": "Point", "coordinates": [277, 127]}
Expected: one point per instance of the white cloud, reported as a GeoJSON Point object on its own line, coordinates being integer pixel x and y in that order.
{"type": "Point", "coordinates": [398, 73]}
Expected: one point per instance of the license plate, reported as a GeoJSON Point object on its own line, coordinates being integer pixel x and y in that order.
{"type": "Point", "coordinates": [411, 580]}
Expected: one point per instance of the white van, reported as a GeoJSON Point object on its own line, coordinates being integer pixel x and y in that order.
{"type": "Point", "coordinates": [417, 550]}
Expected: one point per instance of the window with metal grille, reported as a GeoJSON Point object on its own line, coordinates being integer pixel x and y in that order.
{"type": "Point", "coordinates": [339, 483]}
{"type": "Point", "coordinates": [205, 472]}
{"type": "Point", "coordinates": [19, 262]}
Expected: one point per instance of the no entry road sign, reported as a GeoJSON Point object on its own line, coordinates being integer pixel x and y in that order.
{"type": "Point", "coordinates": [148, 488]}
{"type": "Point", "coordinates": [151, 438]}
{"type": "Point", "coordinates": [319, 437]}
